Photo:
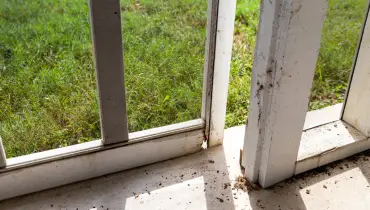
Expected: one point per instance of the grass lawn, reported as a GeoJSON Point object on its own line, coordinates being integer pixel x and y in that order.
{"type": "Point", "coordinates": [48, 93]}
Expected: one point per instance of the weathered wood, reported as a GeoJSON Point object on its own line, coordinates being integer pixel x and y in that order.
{"type": "Point", "coordinates": [285, 57]}
{"type": "Point", "coordinates": [2, 155]}
{"type": "Point", "coordinates": [108, 53]}
{"type": "Point", "coordinates": [357, 103]}
{"type": "Point", "coordinates": [220, 31]}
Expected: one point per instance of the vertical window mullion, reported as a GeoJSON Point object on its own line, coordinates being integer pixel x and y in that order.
{"type": "Point", "coordinates": [357, 102]}
{"type": "Point", "coordinates": [106, 35]}
{"type": "Point", "coordinates": [286, 53]}
{"type": "Point", "coordinates": [2, 155]}
{"type": "Point", "coordinates": [220, 31]}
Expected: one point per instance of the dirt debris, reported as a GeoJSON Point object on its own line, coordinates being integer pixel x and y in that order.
{"type": "Point", "coordinates": [241, 183]}
{"type": "Point", "coordinates": [220, 199]}
{"type": "Point", "coordinates": [226, 185]}
{"type": "Point", "coordinates": [135, 194]}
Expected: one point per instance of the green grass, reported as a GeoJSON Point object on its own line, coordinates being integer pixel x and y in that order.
{"type": "Point", "coordinates": [48, 93]}
{"type": "Point", "coordinates": [338, 45]}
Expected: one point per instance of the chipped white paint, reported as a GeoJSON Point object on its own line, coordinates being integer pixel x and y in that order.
{"type": "Point", "coordinates": [2, 155]}
{"type": "Point", "coordinates": [285, 57]}
{"type": "Point", "coordinates": [356, 111]}
{"type": "Point", "coordinates": [106, 35]}
{"type": "Point", "coordinates": [216, 77]}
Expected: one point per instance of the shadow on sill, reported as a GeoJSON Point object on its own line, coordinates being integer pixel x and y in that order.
{"type": "Point", "coordinates": [203, 180]}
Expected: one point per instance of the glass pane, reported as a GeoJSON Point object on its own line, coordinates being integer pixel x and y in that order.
{"type": "Point", "coordinates": [339, 39]}
{"type": "Point", "coordinates": [164, 48]}
{"type": "Point", "coordinates": [47, 80]}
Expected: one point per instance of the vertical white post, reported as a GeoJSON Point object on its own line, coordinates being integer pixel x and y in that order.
{"type": "Point", "coordinates": [286, 52]}
{"type": "Point", "coordinates": [106, 34]}
{"type": "Point", "coordinates": [2, 155]}
{"type": "Point", "coordinates": [220, 31]}
{"type": "Point", "coordinates": [357, 103]}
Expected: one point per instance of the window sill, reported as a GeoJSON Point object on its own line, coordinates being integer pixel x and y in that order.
{"type": "Point", "coordinates": [320, 144]}
{"type": "Point", "coordinates": [200, 181]}
{"type": "Point", "coordinates": [40, 171]}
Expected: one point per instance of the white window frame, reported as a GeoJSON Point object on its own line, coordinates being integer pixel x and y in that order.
{"type": "Point", "coordinates": [118, 149]}
{"type": "Point", "coordinates": [275, 148]}
{"type": "Point", "coordinates": [286, 52]}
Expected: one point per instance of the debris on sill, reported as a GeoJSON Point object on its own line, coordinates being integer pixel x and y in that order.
{"type": "Point", "coordinates": [241, 183]}
{"type": "Point", "coordinates": [226, 185]}
{"type": "Point", "coordinates": [136, 195]}
{"type": "Point", "coordinates": [220, 199]}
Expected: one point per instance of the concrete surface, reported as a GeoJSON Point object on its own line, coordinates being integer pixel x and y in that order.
{"type": "Point", "coordinates": [201, 181]}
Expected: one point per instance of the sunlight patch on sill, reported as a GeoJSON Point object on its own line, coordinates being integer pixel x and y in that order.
{"type": "Point", "coordinates": [191, 195]}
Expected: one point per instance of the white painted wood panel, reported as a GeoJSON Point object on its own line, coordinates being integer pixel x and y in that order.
{"type": "Point", "coordinates": [285, 57]}
{"type": "Point", "coordinates": [356, 111]}
{"type": "Point", "coordinates": [224, 43]}
{"type": "Point", "coordinates": [105, 16]}
{"type": "Point", "coordinates": [209, 61]}
{"type": "Point", "coordinates": [216, 79]}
